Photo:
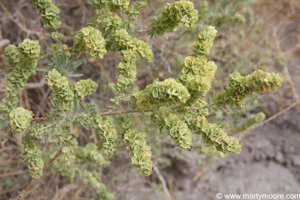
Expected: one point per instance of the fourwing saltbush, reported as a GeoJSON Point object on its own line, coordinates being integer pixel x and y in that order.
{"type": "Point", "coordinates": [178, 105]}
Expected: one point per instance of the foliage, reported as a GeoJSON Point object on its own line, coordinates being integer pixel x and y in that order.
{"type": "Point", "coordinates": [176, 105]}
{"type": "Point", "coordinates": [172, 15]}
{"type": "Point", "coordinates": [23, 60]}
{"type": "Point", "coordinates": [140, 152]}
{"type": "Point", "coordinates": [20, 119]}
{"type": "Point", "coordinates": [49, 13]}
{"type": "Point", "coordinates": [62, 92]}
{"type": "Point", "coordinates": [110, 140]}
{"type": "Point", "coordinates": [90, 40]}
{"type": "Point", "coordinates": [34, 157]}
{"type": "Point", "coordinates": [240, 87]}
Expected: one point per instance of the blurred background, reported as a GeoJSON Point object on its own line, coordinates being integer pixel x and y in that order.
{"type": "Point", "coordinates": [262, 34]}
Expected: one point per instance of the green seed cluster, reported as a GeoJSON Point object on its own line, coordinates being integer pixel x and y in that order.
{"type": "Point", "coordinates": [134, 9]}
{"type": "Point", "coordinates": [20, 119]}
{"type": "Point", "coordinates": [197, 75]}
{"type": "Point", "coordinates": [100, 6]}
{"type": "Point", "coordinates": [262, 82]}
{"type": "Point", "coordinates": [49, 13]}
{"type": "Point", "coordinates": [110, 23]}
{"type": "Point", "coordinates": [84, 87]}
{"type": "Point", "coordinates": [127, 70]}
{"type": "Point", "coordinates": [239, 87]}
{"type": "Point", "coordinates": [34, 158]}
{"type": "Point", "coordinates": [172, 15]}
{"type": "Point", "coordinates": [140, 152]}
{"type": "Point", "coordinates": [177, 129]}
{"type": "Point", "coordinates": [38, 131]}
{"type": "Point", "coordinates": [118, 5]}
{"type": "Point", "coordinates": [129, 47]}
{"type": "Point", "coordinates": [212, 134]}
{"type": "Point", "coordinates": [205, 41]}
{"type": "Point", "coordinates": [165, 93]}
{"type": "Point", "coordinates": [12, 56]}
{"type": "Point", "coordinates": [89, 178]}
{"type": "Point", "coordinates": [23, 60]}
{"type": "Point", "coordinates": [110, 140]}
{"type": "Point", "coordinates": [133, 12]}
{"type": "Point", "coordinates": [61, 89]}
{"type": "Point", "coordinates": [90, 40]}
{"type": "Point", "coordinates": [121, 40]}
{"type": "Point", "coordinates": [90, 153]}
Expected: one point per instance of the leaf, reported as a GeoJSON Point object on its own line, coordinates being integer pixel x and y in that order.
{"type": "Point", "coordinates": [89, 108]}
{"type": "Point", "coordinates": [44, 69]}
{"type": "Point", "coordinates": [76, 64]}
{"type": "Point", "coordinates": [76, 75]}
{"type": "Point", "coordinates": [81, 105]}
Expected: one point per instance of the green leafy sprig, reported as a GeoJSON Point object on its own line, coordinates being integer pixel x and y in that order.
{"type": "Point", "coordinates": [172, 15]}
{"type": "Point", "coordinates": [49, 13]}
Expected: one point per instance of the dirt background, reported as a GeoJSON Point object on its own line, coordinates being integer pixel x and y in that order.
{"type": "Point", "coordinates": [270, 160]}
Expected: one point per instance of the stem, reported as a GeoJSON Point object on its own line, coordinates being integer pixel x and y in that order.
{"type": "Point", "coordinates": [190, 108]}
{"type": "Point", "coordinates": [52, 160]}
{"type": "Point", "coordinates": [129, 111]}
{"type": "Point", "coordinates": [121, 112]}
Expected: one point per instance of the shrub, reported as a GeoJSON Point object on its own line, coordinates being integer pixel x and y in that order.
{"type": "Point", "coordinates": [181, 106]}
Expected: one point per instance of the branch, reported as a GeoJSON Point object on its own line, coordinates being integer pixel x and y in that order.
{"type": "Point", "coordinates": [121, 112]}
{"type": "Point", "coordinates": [127, 111]}
{"type": "Point", "coordinates": [36, 85]}
{"type": "Point", "coordinates": [163, 182]}
{"type": "Point", "coordinates": [52, 160]}
{"type": "Point", "coordinates": [18, 23]}
{"type": "Point", "coordinates": [271, 118]}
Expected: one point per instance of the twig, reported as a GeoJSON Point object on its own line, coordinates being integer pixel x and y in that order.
{"type": "Point", "coordinates": [121, 112]}
{"type": "Point", "coordinates": [197, 176]}
{"type": "Point", "coordinates": [16, 22]}
{"type": "Point", "coordinates": [279, 51]}
{"type": "Point", "coordinates": [13, 173]}
{"type": "Point", "coordinates": [201, 108]}
{"type": "Point", "coordinates": [163, 182]}
{"type": "Point", "coordinates": [271, 118]}
{"type": "Point", "coordinates": [36, 85]}
{"type": "Point", "coordinates": [52, 160]}
{"type": "Point", "coordinates": [128, 111]}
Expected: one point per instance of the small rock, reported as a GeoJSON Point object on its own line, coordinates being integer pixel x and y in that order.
{"type": "Point", "coordinates": [296, 160]}
{"type": "Point", "coordinates": [279, 157]}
